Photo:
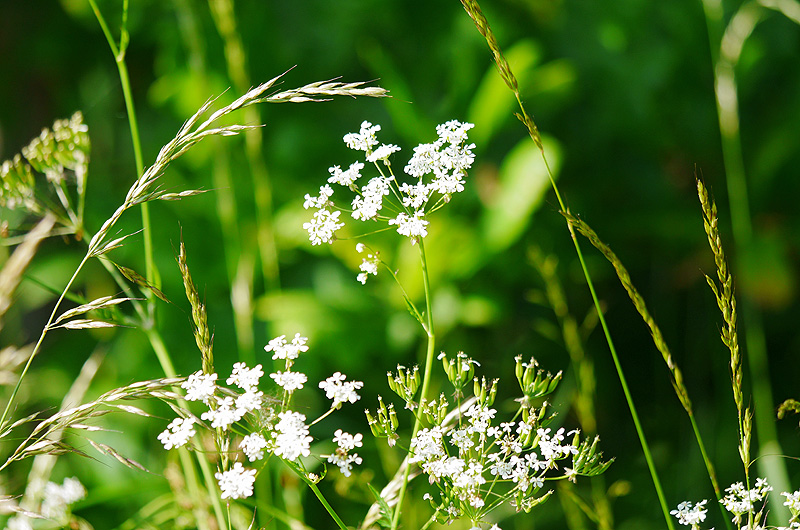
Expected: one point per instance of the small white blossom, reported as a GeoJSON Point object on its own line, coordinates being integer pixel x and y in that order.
{"type": "Point", "coordinates": [364, 139]}
{"type": "Point", "coordinates": [340, 391]}
{"type": "Point", "coordinates": [413, 227]}
{"type": "Point", "coordinates": [323, 226]}
{"type": "Point", "coordinates": [321, 202]}
{"type": "Point", "coordinates": [284, 350]}
{"type": "Point", "coordinates": [345, 178]}
{"type": "Point", "coordinates": [58, 497]}
{"type": "Point", "coordinates": [226, 413]}
{"type": "Point", "coordinates": [253, 446]}
{"type": "Point", "coordinates": [200, 386]}
{"type": "Point", "coordinates": [347, 441]}
{"type": "Point", "coordinates": [382, 153]}
{"type": "Point", "coordinates": [289, 381]}
{"type": "Point", "coordinates": [249, 401]}
{"type": "Point", "coordinates": [414, 195]}
{"type": "Point", "coordinates": [177, 433]}
{"type": "Point", "coordinates": [369, 265]}
{"type": "Point", "coordinates": [292, 440]}
{"type": "Point", "coordinates": [792, 501]}
{"type": "Point", "coordinates": [367, 205]}
{"type": "Point", "coordinates": [237, 482]}
{"type": "Point", "coordinates": [689, 515]}
{"type": "Point", "coordinates": [244, 377]}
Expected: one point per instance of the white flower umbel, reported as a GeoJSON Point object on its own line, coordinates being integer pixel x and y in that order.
{"type": "Point", "coordinates": [57, 498]}
{"type": "Point", "coordinates": [341, 457]}
{"type": "Point", "coordinates": [289, 381]}
{"type": "Point", "coordinates": [292, 440]}
{"type": "Point", "coordinates": [364, 139]}
{"type": "Point", "coordinates": [226, 413]}
{"type": "Point", "coordinates": [413, 227]}
{"type": "Point", "coordinates": [253, 446]}
{"type": "Point", "coordinates": [369, 265]}
{"type": "Point", "coordinates": [244, 377]}
{"type": "Point", "coordinates": [237, 482]}
{"type": "Point", "coordinates": [340, 391]}
{"type": "Point", "coordinates": [281, 349]}
{"type": "Point", "coordinates": [323, 226]}
{"type": "Point", "coordinates": [200, 386]}
{"type": "Point", "coordinates": [438, 170]}
{"type": "Point", "coordinates": [177, 433]}
{"type": "Point", "coordinates": [689, 515]}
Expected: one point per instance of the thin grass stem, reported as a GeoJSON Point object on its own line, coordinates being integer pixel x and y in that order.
{"type": "Point", "coordinates": [474, 11]}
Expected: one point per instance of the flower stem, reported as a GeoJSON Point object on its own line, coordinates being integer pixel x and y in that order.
{"type": "Point", "coordinates": [324, 502]}
{"type": "Point", "coordinates": [426, 377]}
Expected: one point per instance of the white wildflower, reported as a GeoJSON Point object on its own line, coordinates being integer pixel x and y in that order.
{"type": "Point", "coordinates": [382, 153]}
{"type": "Point", "coordinates": [285, 350]}
{"type": "Point", "coordinates": [367, 205]}
{"type": "Point", "coordinates": [340, 391]}
{"type": "Point", "coordinates": [253, 446]}
{"type": "Point", "coordinates": [249, 401]}
{"type": "Point", "coordinates": [347, 441]}
{"type": "Point", "coordinates": [348, 177]}
{"type": "Point", "coordinates": [177, 433]}
{"type": "Point", "coordinates": [58, 497]}
{"type": "Point", "coordinates": [364, 139]}
{"type": "Point", "coordinates": [292, 439]}
{"type": "Point", "coordinates": [200, 386]}
{"type": "Point", "coordinates": [369, 265]}
{"type": "Point", "coordinates": [289, 381]}
{"type": "Point", "coordinates": [237, 482]}
{"type": "Point", "coordinates": [792, 501]}
{"type": "Point", "coordinates": [689, 515]}
{"type": "Point", "coordinates": [413, 227]}
{"type": "Point", "coordinates": [323, 226]}
{"type": "Point", "coordinates": [224, 415]}
{"type": "Point", "coordinates": [321, 202]}
{"type": "Point", "coordinates": [414, 195]}
{"type": "Point", "coordinates": [244, 377]}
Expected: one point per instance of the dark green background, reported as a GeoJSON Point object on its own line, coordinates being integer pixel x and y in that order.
{"type": "Point", "coordinates": [624, 88]}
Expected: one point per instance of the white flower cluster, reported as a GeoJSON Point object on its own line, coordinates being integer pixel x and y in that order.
{"type": "Point", "coordinates": [438, 170]}
{"type": "Point", "coordinates": [475, 461]}
{"type": "Point", "coordinates": [482, 451]}
{"type": "Point", "coordinates": [57, 499]}
{"type": "Point", "coordinates": [276, 429]}
{"type": "Point", "coordinates": [743, 503]}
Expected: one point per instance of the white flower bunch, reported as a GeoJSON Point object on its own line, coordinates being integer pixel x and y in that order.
{"type": "Point", "coordinates": [746, 506]}
{"type": "Point", "coordinates": [266, 426]}
{"type": "Point", "coordinates": [475, 461]}
{"type": "Point", "coordinates": [437, 171]}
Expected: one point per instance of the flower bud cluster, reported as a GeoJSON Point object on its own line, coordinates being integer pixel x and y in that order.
{"type": "Point", "coordinates": [477, 462]}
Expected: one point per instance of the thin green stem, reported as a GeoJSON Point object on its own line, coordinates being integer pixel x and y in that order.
{"type": "Point", "coordinates": [38, 345]}
{"type": "Point", "coordinates": [324, 502]}
{"type": "Point", "coordinates": [426, 377]}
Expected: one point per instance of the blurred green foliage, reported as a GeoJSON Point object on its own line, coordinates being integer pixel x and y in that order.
{"type": "Point", "coordinates": [623, 92]}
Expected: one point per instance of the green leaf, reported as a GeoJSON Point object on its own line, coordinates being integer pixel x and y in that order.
{"type": "Point", "coordinates": [522, 184]}
{"type": "Point", "coordinates": [385, 511]}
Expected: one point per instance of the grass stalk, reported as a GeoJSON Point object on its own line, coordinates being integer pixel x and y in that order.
{"type": "Point", "coordinates": [474, 11]}
{"type": "Point", "coordinates": [726, 47]}
{"type": "Point", "coordinates": [676, 377]}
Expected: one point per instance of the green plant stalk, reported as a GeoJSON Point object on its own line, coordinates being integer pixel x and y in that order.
{"type": "Point", "coordinates": [426, 377]}
{"type": "Point", "coordinates": [724, 63]}
{"type": "Point", "coordinates": [473, 10]}
{"type": "Point", "coordinates": [236, 60]}
{"type": "Point", "coordinates": [153, 336]}
{"type": "Point", "coordinates": [324, 501]}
